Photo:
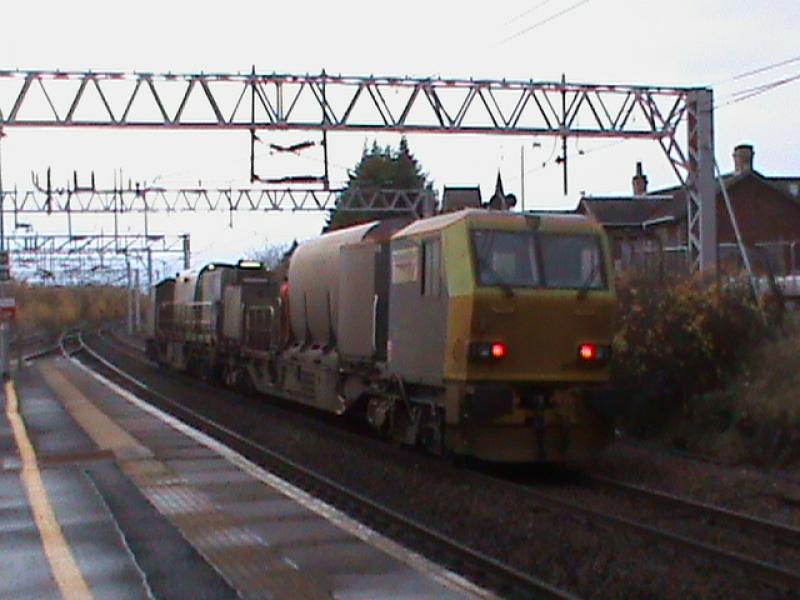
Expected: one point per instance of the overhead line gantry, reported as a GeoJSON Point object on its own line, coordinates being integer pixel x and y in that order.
{"type": "Point", "coordinates": [191, 199]}
{"type": "Point", "coordinates": [99, 244]}
{"type": "Point", "coordinates": [328, 103]}
{"type": "Point", "coordinates": [91, 255]}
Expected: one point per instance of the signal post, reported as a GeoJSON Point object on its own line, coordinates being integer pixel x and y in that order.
{"type": "Point", "coordinates": [7, 302]}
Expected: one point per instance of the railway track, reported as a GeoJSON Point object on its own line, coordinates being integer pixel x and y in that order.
{"type": "Point", "coordinates": [776, 533]}
{"type": "Point", "coordinates": [126, 341]}
{"type": "Point", "coordinates": [781, 533]}
{"type": "Point", "coordinates": [701, 458]}
{"type": "Point", "coordinates": [34, 345]}
{"type": "Point", "coordinates": [476, 566]}
{"type": "Point", "coordinates": [768, 572]}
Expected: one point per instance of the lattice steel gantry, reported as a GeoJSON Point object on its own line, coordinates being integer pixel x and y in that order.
{"type": "Point", "coordinates": [50, 258]}
{"type": "Point", "coordinates": [221, 101]}
{"type": "Point", "coordinates": [191, 199]}
{"type": "Point", "coordinates": [99, 244]}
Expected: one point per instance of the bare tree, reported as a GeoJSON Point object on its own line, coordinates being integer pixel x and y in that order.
{"type": "Point", "coordinates": [271, 254]}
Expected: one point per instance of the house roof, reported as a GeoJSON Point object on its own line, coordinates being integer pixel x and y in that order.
{"type": "Point", "coordinates": [669, 204]}
{"type": "Point", "coordinates": [675, 209]}
{"type": "Point", "coordinates": [791, 185]}
{"type": "Point", "coordinates": [456, 198]}
{"type": "Point", "coordinates": [616, 211]}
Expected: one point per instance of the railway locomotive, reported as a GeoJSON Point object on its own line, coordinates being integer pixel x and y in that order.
{"type": "Point", "coordinates": [476, 333]}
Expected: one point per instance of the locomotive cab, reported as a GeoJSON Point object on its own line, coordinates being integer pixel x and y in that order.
{"type": "Point", "coordinates": [515, 315]}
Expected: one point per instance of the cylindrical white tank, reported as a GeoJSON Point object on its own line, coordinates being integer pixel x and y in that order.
{"type": "Point", "coordinates": [314, 284]}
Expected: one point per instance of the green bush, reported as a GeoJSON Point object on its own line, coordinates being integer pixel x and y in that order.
{"type": "Point", "coordinates": [756, 417]}
{"type": "Point", "coordinates": [677, 340]}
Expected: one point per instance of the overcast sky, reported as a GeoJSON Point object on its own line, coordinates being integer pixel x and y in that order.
{"type": "Point", "coordinates": [646, 42]}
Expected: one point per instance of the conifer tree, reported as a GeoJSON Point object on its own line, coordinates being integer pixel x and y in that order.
{"type": "Point", "coordinates": [380, 168]}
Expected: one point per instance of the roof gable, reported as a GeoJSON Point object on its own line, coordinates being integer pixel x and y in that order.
{"type": "Point", "coordinates": [456, 198]}
{"type": "Point", "coordinates": [669, 204]}
{"type": "Point", "coordinates": [623, 212]}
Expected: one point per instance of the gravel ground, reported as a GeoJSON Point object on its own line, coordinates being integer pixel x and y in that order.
{"type": "Point", "coordinates": [680, 521]}
{"type": "Point", "coordinates": [587, 557]}
{"type": "Point", "coordinates": [769, 495]}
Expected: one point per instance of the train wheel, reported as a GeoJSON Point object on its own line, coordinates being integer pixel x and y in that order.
{"type": "Point", "coordinates": [431, 430]}
{"type": "Point", "coordinates": [244, 382]}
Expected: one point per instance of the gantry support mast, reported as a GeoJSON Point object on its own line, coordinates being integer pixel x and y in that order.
{"type": "Point", "coordinates": [330, 103]}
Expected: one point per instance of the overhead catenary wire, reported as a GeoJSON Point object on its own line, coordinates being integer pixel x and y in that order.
{"type": "Point", "coordinates": [759, 70]}
{"type": "Point", "coordinates": [744, 94]}
{"type": "Point", "coordinates": [538, 24]}
{"type": "Point", "coordinates": [747, 94]}
{"type": "Point", "coordinates": [541, 166]}
{"type": "Point", "coordinates": [757, 89]}
{"type": "Point", "coordinates": [527, 12]}
{"type": "Point", "coordinates": [603, 147]}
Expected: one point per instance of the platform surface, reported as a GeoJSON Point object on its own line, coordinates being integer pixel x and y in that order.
{"type": "Point", "coordinates": [104, 496]}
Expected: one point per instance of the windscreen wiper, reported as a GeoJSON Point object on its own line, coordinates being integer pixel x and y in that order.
{"type": "Point", "coordinates": [498, 280]}
{"type": "Point", "coordinates": [587, 283]}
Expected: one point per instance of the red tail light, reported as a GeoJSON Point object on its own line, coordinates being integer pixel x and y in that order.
{"type": "Point", "coordinates": [498, 350]}
{"type": "Point", "coordinates": [587, 352]}
{"type": "Point", "coordinates": [488, 351]}
{"type": "Point", "coordinates": [594, 354]}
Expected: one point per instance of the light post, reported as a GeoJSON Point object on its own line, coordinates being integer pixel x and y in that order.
{"type": "Point", "coordinates": [7, 304]}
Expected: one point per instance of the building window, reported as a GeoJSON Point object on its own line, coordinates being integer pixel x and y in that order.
{"type": "Point", "coordinates": [431, 272]}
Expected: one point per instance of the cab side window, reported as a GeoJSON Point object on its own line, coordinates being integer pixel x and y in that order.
{"type": "Point", "coordinates": [431, 269]}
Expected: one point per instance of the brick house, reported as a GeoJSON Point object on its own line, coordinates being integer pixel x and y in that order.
{"type": "Point", "coordinates": [649, 229]}
{"type": "Point", "coordinates": [456, 198]}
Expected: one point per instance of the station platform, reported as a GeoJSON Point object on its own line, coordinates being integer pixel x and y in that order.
{"type": "Point", "coordinates": [104, 496]}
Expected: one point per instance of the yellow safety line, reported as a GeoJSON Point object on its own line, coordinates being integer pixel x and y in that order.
{"type": "Point", "coordinates": [62, 564]}
{"type": "Point", "coordinates": [103, 431]}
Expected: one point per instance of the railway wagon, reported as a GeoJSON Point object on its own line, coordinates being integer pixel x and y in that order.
{"type": "Point", "coordinates": [477, 333]}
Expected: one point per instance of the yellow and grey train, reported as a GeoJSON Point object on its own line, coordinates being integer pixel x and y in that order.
{"type": "Point", "coordinates": [474, 333]}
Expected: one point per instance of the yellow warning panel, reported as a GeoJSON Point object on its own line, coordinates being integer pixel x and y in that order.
{"type": "Point", "coordinates": [65, 570]}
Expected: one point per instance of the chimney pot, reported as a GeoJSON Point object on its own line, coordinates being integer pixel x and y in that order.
{"type": "Point", "coordinates": [639, 181]}
{"type": "Point", "coordinates": [743, 158]}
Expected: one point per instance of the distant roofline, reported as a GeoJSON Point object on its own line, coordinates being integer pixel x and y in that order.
{"type": "Point", "coordinates": [567, 214]}
{"type": "Point", "coordinates": [621, 198]}
{"type": "Point", "coordinates": [732, 175]}
{"type": "Point", "coordinates": [627, 224]}
{"type": "Point", "coordinates": [784, 178]}
{"type": "Point", "coordinates": [657, 221]}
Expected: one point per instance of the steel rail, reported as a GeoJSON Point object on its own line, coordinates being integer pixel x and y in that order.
{"type": "Point", "coordinates": [765, 571]}
{"type": "Point", "coordinates": [699, 458]}
{"type": "Point", "coordinates": [782, 533]}
{"type": "Point", "coordinates": [125, 347]}
{"type": "Point", "coordinates": [62, 341]}
{"type": "Point", "coordinates": [41, 344]}
{"type": "Point", "coordinates": [42, 352]}
{"type": "Point", "coordinates": [128, 343]}
{"type": "Point", "coordinates": [473, 564]}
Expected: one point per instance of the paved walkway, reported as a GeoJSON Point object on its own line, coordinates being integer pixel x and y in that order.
{"type": "Point", "coordinates": [102, 495]}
